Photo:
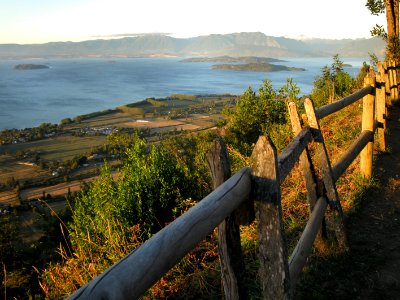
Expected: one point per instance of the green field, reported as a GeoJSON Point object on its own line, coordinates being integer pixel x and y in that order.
{"type": "Point", "coordinates": [59, 148]}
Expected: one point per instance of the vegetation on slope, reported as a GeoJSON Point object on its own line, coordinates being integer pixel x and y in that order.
{"type": "Point", "coordinates": [158, 182]}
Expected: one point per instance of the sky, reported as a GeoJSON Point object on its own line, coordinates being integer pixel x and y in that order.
{"type": "Point", "coordinates": [41, 21]}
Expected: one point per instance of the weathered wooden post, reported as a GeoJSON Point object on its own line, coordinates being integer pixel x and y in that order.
{"type": "Point", "coordinates": [327, 176]}
{"type": "Point", "coordinates": [394, 94]}
{"type": "Point", "coordinates": [307, 167]}
{"type": "Point", "coordinates": [387, 84]}
{"type": "Point", "coordinates": [382, 68]}
{"type": "Point", "coordinates": [274, 269]}
{"type": "Point", "coordinates": [368, 124]}
{"type": "Point", "coordinates": [380, 97]}
{"type": "Point", "coordinates": [229, 246]}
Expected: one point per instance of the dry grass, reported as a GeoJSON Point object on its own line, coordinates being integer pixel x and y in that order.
{"type": "Point", "coordinates": [197, 275]}
{"type": "Point", "coordinates": [10, 167]}
{"type": "Point", "coordinates": [131, 110]}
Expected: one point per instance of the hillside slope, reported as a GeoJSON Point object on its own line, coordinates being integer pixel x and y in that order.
{"type": "Point", "coordinates": [234, 44]}
{"type": "Point", "coordinates": [371, 269]}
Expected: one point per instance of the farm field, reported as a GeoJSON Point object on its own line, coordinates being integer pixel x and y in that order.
{"type": "Point", "coordinates": [151, 116]}
{"type": "Point", "coordinates": [10, 167]}
{"type": "Point", "coordinates": [59, 148]}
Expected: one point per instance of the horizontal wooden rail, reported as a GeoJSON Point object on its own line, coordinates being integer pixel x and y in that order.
{"type": "Point", "coordinates": [331, 108]}
{"type": "Point", "coordinates": [354, 150]}
{"type": "Point", "coordinates": [135, 273]}
{"type": "Point", "coordinates": [138, 271]}
{"type": "Point", "coordinates": [303, 247]}
{"type": "Point", "coordinates": [290, 155]}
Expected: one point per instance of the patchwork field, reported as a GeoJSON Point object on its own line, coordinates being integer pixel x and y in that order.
{"type": "Point", "coordinates": [157, 116]}
{"type": "Point", "coordinates": [59, 148]}
{"type": "Point", "coordinates": [10, 167]}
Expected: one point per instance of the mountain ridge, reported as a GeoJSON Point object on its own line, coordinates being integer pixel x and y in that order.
{"type": "Point", "coordinates": [233, 44]}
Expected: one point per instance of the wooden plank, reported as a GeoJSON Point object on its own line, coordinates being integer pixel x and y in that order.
{"type": "Point", "coordinates": [368, 124]}
{"type": "Point", "coordinates": [331, 108]}
{"type": "Point", "coordinates": [306, 166]}
{"type": "Point", "coordinates": [327, 176]}
{"type": "Point", "coordinates": [354, 150]}
{"type": "Point", "coordinates": [229, 246]}
{"type": "Point", "coordinates": [304, 246]}
{"type": "Point", "coordinates": [274, 269]}
{"type": "Point", "coordinates": [291, 154]}
{"type": "Point", "coordinates": [135, 273]}
{"type": "Point", "coordinates": [380, 99]}
{"type": "Point", "coordinates": [308, 171]}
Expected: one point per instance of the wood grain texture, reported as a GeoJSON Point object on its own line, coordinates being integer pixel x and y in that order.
{"type": "Point", "coordinates": [368, 118]}
{"type": "Point", "coordinates": [327, 176]}
{"type": "Point", "coordinates": [229, 246]}
{"type": "Point", "coordinates": [135, 273]}
{"type": "Point", "coordinates": [333, 107]}
{"type": "Point", "coordinates": [274, 269]}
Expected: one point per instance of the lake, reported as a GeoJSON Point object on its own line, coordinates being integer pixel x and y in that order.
{"type": "Point", "coordinates": [72, 87]}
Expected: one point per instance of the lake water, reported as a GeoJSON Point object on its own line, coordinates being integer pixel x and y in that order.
{"type": "Point", "coordinates": [72, 87]}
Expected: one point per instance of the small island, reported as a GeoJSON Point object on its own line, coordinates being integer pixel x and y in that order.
{"type": "Point", "coordinates": [230, 59]}
{"type": "Point", "coordinates": [255, 67]}
{"type": "Point", "coordinates": [30, 67]}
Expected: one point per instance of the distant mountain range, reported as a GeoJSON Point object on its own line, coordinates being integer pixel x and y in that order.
{"type": "Point", "coordinates": [235, 44]}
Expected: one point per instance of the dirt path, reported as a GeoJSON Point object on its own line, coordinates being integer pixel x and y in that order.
{"type": "Point", "coordinates": [371, 270]}
{"type": "Point", "coordinates": [375, 230]}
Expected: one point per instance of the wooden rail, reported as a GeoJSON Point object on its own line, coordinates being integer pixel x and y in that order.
{"type": "Point", "coordinates": [257, 189]}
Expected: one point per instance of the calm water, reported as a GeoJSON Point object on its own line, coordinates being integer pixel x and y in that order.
{"type": "Point", "coordinates": [72, 87]}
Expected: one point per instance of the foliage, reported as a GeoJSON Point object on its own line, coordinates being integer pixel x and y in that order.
{"type": "Point", "coordinates": [334, 83]}
{"type": "Point", "coordinates": [157, 103]}
{"type": "Point", "coordinates": [253, 116]}
{"type": "Point", "coordinates": [359, 80]}
{"type": "Point", "coordinates": [290, 90]}
{"type": "Point", "coordinates": [391, 36]}
{"type": "Point", "coordinates": [8, 235]}
{"type": "Point", "coordinates": [119, 142]}
{"type": "Point", "coordinates": [112, 217]}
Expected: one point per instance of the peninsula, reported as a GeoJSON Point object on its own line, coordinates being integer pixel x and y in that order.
{"type": "Point", "coordinates": [255, 67]}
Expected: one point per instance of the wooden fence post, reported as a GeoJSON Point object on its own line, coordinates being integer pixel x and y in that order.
{"type": "Point", "coordinates": [306, 166]}
{"type": "Point", "coordinates": [380, 96]}
{"type": "Point", "coordinates": [394, 93]}
{"type": "Point", "coordinates": [229, 246]}
{"type": "Point", "coordinates": [327, 176]}
{"type": "Point", "coordinates": [274, 269]}
{"type": "Point", "coordinates": [305, 163]}
{"type": "Point", "coordinates": [387, 84]}
{"type": "Point", "coordinates": [368, 124]}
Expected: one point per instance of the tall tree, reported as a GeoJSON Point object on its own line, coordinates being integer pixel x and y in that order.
{"type": "Point", "coordinates": [391, 34]}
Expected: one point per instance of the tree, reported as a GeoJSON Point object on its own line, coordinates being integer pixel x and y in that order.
{"type": "Point", "coordinates": [290, 90]}
{"type": "Point", "coordinates": [391, 34]}
{"type": "Point", "coordinates": [332, 84]}
{"type": "Point", "coordinates": [254, 115]}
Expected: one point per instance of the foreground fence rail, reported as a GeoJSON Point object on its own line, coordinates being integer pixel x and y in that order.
{"type": "Point", "coordinates": [255, 190]}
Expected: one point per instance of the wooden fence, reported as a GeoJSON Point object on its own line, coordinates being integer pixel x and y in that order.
{"type": "Point", "coordinates": [254, 191]}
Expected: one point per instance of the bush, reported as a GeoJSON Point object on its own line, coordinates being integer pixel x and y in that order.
{"type": "Point", "coordinates": [334, 83]}
{"type": "Point", "coordinates": [111, 218]}
{"type": "Point", "coordinates": [253, 116]}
